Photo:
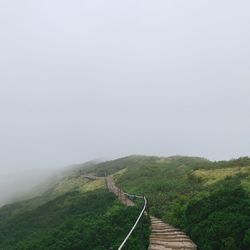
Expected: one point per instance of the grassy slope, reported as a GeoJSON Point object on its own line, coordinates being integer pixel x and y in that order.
{"type": "Point", "coordinates": [67, 184]}
{"type": "Point", "coordinates": [75, 214]}
{"type": "Point", "coordinates": [209, 200]}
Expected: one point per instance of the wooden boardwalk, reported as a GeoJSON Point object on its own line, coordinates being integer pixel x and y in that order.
{"type": "Point", "coordinates": [163, 236]}
{"type": "Point", "coordinates": [166, 237]}
{"type": "Point", "coordinates": [118, 192]}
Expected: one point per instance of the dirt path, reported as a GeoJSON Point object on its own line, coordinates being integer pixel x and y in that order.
{"type": "Point", "coordinates": [163, 236]}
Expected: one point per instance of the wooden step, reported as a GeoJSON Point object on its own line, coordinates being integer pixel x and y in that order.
{"type": "Point", "coordinates": [174, 245]}
{"type": "Point", "coordinates": [165, 237]}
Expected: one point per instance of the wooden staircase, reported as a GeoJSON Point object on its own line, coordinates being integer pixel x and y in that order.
{"type": "Point", "coordinates": [163, 236]}
{"type": "Point", "coordinates": [166, 237]}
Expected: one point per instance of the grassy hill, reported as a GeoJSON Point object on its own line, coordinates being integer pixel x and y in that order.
{"type": "Point", "coordinates": [208, 200]}
{"type": "Point", "coordinates": [75, 213]}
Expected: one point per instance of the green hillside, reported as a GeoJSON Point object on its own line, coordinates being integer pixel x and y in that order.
{"type": "Point", "coordinates": [75, 214]}
{"type": "Point", "coordinates": [208, 200]}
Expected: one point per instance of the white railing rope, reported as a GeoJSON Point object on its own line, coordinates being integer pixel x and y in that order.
{"type": "Point", "coordinates": [138, 219]}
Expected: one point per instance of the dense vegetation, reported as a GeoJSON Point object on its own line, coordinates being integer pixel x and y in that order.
{"type": "Point", "coordinates": [74, 220]}
{"type": "Point", "coordinates": [220, 219]}
{"type": "Point", "coordinates": [208, 200]}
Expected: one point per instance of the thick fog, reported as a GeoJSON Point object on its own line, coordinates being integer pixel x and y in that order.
{"type": "Point", "coordinates": [81, 80]}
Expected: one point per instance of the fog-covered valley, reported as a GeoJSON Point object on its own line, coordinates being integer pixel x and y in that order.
{"type": "Point", "coordinates": [24, 183]}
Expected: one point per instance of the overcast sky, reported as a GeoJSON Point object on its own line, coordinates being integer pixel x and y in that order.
{"type": "Point", "coordinates": [81, 80]}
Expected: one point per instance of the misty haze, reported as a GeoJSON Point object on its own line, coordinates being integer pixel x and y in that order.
{"type": "Point", "coordinates": [140, 87]}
